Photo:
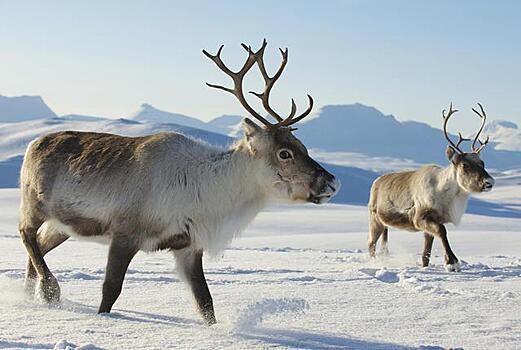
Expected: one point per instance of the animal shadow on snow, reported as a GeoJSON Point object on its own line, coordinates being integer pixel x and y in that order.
{"type": "Point", "coordinates": [248, 326]}
{"type": "Point", "coordinates": [502, 210]}
{"type": "Point", "coordinates": [130, 315]}
{"type": "Point", "coordinates": [301, 339]}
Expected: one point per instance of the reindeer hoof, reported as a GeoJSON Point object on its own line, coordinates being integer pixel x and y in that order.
{"type": "Point", "coordinates": [48, 290]}
{"type": "Point", "coordinates": [210, 321]}
{"type": "Point", "coordinates": [209, 317]}
{"type": "Point", "coordinates": [453, 267]}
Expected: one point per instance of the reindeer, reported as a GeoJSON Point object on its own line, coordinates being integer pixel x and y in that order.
{"type": "Point", "coordinates": [163, 191]}
{"type": "Point", "coordinates": [428, 198]}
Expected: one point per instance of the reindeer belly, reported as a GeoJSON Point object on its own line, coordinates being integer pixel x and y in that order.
{"type": "Point", "coordinates": [81, 230]}
{"type": "Point", "coordinates": [401, 220]}
{"type": "Point", "coordinates": [166, 241]}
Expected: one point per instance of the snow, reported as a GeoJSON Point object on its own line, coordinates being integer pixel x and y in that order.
{"type": "Point", "coordinates": [506, 135]}
{"type": "Point", "coordinates": [300, 277]}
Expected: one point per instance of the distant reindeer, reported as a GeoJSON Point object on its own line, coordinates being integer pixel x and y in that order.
{"type": "Point", "coordinates": [162, 192]}
{"type": "Point", "coordinates": [428, 198]}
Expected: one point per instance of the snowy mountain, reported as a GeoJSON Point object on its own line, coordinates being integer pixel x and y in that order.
{"type": "Point", "coordinates": [363, 129]}
{"type": "Point", "coordinates": [14, 109]}
{"type": "Point", "coordinates": [150, 114]}
{"type": "Point", "coordinates": [506, 135]}
{"type": "Point", "coordinates": [80, 118]}
{"type": "Point", "coordinates": [226, 124]}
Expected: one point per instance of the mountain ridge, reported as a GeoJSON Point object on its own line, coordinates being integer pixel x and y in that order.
{"type": "Point", "coordinates": [25, 107]}
{"type": "Point", "coordinates": [354, 128]}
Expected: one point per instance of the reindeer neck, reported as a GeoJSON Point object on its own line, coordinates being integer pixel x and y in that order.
{"type": "Point", "coordinates": [449, 183]}
{"type": "Point", "coordinates": [237, 172]}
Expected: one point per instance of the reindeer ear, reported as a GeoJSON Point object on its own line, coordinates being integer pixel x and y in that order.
{"type": "Point", "coordinates": [250, 128]}
{"type": "Point", "coordinates": [452, 155]}
{"type": "Point", "coordinates": [450, 152]}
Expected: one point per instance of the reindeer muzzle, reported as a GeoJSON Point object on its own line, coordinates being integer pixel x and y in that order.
{"type": "Point", "coordinates": [488, 184]}
{"type": "Point", "coordinates": [329, 190]}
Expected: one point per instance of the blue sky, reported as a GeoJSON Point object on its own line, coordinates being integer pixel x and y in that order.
{"type": "Point", "coordinates": [407, 58]}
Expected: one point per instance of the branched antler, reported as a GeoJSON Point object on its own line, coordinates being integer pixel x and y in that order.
{"type": "Point", "coordinates": [475, 149]}
{"type": "Point", "coordinates": [483, 116]}
{"type": "Point", "coordinates": [446, 118]}
{"type": "Point", "coordinates": [237, 91]}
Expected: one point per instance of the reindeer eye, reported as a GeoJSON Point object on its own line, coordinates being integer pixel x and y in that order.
{"type": "Point", "coordinates": [285, 154]}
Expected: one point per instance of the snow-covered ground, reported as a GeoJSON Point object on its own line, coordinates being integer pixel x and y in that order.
{"type": "Point", "coordinates": [299, 278]}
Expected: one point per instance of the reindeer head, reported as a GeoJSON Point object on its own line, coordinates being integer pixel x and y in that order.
{"type": "Point", "coordinates": [294, 175]}
{"type": "Point", "coordinates": [470, 169]}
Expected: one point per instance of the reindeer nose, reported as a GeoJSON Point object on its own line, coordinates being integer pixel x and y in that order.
{"type": "Point", "coordinates": [489, 183]}
{"type": "Point", "coordinates": [322, 173]}
{"type": "Point", "coordinates": [334, 184]}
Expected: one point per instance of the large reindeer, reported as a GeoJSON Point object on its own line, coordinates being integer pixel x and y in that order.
{"type": "Point", "coordinates": [428, 198]}
{"type": "Point", "coordinates": [163, 191]}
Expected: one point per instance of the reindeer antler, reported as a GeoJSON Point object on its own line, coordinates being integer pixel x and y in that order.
{"type": "Point", "coordinates": [237, 91]}
{"type": "Point", "coordinates": [446, 118]}
{"type": "Point", "coordinates": [483, 116]}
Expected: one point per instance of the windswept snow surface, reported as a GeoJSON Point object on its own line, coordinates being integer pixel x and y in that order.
{"type": "Point", "coordinates": [299, 278]}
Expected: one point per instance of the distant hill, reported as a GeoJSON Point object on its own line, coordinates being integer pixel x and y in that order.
{"type": "Point", "coordinates": [226, 125]}
{"type": "Point", "coordinates": [364, 129]}
{"type": "Point", "coordinates": [148, 113]}
{"type": "Point", "coordinates": [506, 135]}
{"type": "Point", "coordinates": [15, 109]}
{"type": "Point", "coordinates": [361, 129]}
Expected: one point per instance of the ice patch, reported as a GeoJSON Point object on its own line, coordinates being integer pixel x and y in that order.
{"type": "Point", "coordinates": [254, 314]}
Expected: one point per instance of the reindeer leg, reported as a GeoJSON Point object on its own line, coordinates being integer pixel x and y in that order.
{"type": "Point", "coordinates": [190, 265]}
{"type": "Point", "coordinates": [451, 261]}
{"type": "Point", "coordinates": [427, 248]}
{"type": "Point", "coordinates": [121, 252]}
{"type": "Point", "coordinates": [376, 228]}
{"type": "Point", "coordinates": [47, 241]}
{"type": "Point", "coordinates": [48, 288]}
{"type": "Point", "coordinates": [31, 277]}
{"type": "Point", "coordinates": [385, 248]}
{"type": "Point", "coordinates": [426, 223]}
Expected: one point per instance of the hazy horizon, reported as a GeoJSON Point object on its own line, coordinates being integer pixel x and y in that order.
{"type": "Point", "coordinates": [404, 58]}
